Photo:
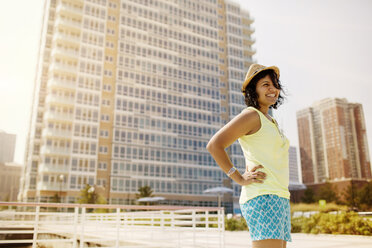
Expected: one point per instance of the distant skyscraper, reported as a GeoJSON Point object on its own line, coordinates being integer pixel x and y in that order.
{"type": "Point", "coordinates": [333, 141]}
{"type": "Point", "coordinates": [293, 165]}
{"type": "Point", "coordinates": [7, 147]}
{"type": "Point", "coordinates": [128, 93]}
{"type": "Point", "coordinates": [10, 174]}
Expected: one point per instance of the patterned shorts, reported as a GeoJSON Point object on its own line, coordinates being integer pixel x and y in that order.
{"type": "Point", "coordinates": [268, 217]}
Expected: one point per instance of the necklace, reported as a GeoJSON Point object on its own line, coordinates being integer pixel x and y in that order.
{"type": "Point", "coordinates": [276, 124]}
{"type": "Point", "coordinates": [269, 117]}
{"type": "Point", "coordinates": [280, 132]}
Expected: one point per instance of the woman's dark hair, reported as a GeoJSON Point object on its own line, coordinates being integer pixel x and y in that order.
{"type": "Point", "coordinates": [251, 97]}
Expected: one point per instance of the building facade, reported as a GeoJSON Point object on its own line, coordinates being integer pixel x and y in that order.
{"type": "Point", "coordinates": [333, 142]}
{"type": "Point", "coordinates": [9, 181]}
{"type": "Point", "coordinates": [7, 147]}
{"type": "Point", "coordinates": [293, 165]}
{"type": "Point", "coordinates": [128, 93]}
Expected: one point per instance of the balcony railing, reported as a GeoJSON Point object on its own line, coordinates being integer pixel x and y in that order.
{"type": "Point", "coordinates": [62, 52]}
{"type": "Point", "coordinates": [78, 225]}
{"type": "Point", "coordinates": [55, 150]}
{"type": "Point", "coordinates": [55, 186]}
{"type": "Point", "coordinates": [64, 8]}
{"type": "Point", "coordinates": [67, 23]}
{"type": "Point", "coordinates": [53, 82]}
{"type": "Point", "coordinates": [60, 99]}
{"type": "Point", "coordinates": [49, 132]}
{"type": "Point", "coordinates": [63, 67]}
{"type": "Point", "coordinates": [69, 38]}
{"type": "Point", "coordinates": [53, 168]}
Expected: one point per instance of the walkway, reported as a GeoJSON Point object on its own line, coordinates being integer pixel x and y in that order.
{"type": "Point", "coordinates": [241, 239]}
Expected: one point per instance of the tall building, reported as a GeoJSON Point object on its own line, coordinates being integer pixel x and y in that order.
{"type": "Point", "coordinates": [128, 93]}
{"type": "Point", "coordinates": [7, 147]}
{"type": "Point", "coordinates": [333, 141]}
{"type": "Point", "coordinates": [9, 181]}
{"type": "Point", "coordinates": [293, 165]}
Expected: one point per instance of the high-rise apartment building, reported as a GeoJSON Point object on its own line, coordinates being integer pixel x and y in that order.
{"type": "Point", "coordinates": [293, 165]}
{"type": "Point", "coordinates": [333, 141]}
{"type": "Point", "coordinates": [7, 147]}
{"type": "Point", "coordinates": [128, 93]}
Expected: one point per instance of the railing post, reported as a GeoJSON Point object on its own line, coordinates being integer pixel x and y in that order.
{"type": "Point", "coordinates": [193, 228]}
{"type": "Point", "coordinates": [76, 222]}
{"type": "Point", "coordinates": [221, 225]}
{"type": "Point", "coordinates": [207, 220]}
{"type": "Point", "coordinates": [172, 219]}
{"type": "Point", "coordinates": [117, 226]}
{"type": "Point", "coordinates": [36, 227]}
{"type": "Point", "coordinates": [82, 223]}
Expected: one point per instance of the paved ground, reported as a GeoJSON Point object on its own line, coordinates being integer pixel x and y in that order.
{"type": "Point", "coordinates": [299, 240]}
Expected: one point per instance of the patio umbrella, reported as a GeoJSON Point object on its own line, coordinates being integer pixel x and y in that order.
{"type": "Point", "coordinates": [219, 191]}
{"type": "Point", "coordinates": [151, 199]}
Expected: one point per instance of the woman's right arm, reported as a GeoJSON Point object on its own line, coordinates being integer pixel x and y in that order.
{"type": "Point", "coordinates": [244, 123]}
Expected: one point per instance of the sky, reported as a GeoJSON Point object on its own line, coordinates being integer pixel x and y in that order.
{"type": "Point", "coordinates": [322, 47]}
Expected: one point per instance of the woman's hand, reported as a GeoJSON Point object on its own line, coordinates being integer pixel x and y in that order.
{"type": "Point", "coordinates": [253, 176]}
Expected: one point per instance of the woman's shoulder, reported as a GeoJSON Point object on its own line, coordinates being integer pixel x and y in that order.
{"type": "Point", "coordinates": [250, 114]}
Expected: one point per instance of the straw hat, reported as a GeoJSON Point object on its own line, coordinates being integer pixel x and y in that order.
{"type": "Point", "coordinates": [253, 70]}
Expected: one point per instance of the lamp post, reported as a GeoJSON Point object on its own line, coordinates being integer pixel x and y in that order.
{"type": "Point", "coordinates": [91, 191]}
{"type": "Point", "coordinates": [61, 179]}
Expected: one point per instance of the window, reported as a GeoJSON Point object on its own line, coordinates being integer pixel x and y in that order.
{"type": "Point", "coordinates": [102, 166]}
{"type": "Point", "coordinates": [103, 149]}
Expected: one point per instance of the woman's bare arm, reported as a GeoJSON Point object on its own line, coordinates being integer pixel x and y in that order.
{"type": "Point", "coordinates": [246, 122]}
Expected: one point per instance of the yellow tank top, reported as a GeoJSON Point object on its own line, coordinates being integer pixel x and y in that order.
{"type": "Point", "coordinates": [267, 147]}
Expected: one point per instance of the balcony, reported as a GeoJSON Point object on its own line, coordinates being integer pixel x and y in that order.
{"type": "Point", "coordinates": [249, 40]}
{"type": "Point", "coordinates": [58, 116]}
{"type": "Point", "coordinates": [69, 10]}
{"type": "Point", "coordinates": [55, 66]}
{"type": "Point", "coordinates": [249, 52]}
{"type": "Point", "coordinates": [67, 24]}
{"type": "Point", "coordinates": [70, 54]}
{"type": "Point", "coordinates": [250, 30]}
{"type": "Point", "coordinates": [55, 150]}
{"type": "Point", "coordinates": [62, 37]}
{"type": "Point", "coordinates": [49, 132]}
{"type": "Point", "coordinates": [56, 186]}
{"type": "Point", "coordinates": [60, 100]}
{"type": "Point", "coordinates": [53, 168]}
{"type": "Point", "coordinates": [250, 20]}
{"type": "Point", "coordinates": [57, 83]}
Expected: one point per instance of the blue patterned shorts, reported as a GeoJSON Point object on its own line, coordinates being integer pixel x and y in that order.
{"type": "Point", "coordinates": [268, 217]}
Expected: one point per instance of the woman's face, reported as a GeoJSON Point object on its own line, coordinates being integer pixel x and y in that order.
{"type": "Point", "coordinates": [266, 91]}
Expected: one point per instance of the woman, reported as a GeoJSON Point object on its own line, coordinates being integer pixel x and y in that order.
{"type": "Point", "coordinates": [264, 198]}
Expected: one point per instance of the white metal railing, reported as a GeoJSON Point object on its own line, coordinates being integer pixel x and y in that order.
{"type": "Point", "coordinates": [80, 225]}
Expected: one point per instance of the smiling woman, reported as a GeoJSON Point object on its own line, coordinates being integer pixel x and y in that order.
{"type": "Point", "coordinates": [264, 198]}
{"type": "Point", "coordinates": [267, 74]}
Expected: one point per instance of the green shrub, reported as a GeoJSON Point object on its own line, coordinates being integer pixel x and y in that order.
{"type": "Point", "coordinates": [329, 207]}
{"type": "Point", "coordinates": [297, 224]}
{"type": "Point", "coordinates": [343, 223]}
{"type": "Point", "coordinates": [235, 224]}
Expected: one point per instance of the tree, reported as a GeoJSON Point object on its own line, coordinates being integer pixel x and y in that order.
{"type": "Point", "coordinates": [144, 191]}
{"type": "Point", "coordinates": [365, 196]}
{"type": "Point", "coordinates": [89, 196]}
{"type": "Point", "coordinates": [352, 196]}
{"type": "Point", "coordinates": [327, 193]}
{"type": "Point", "coordinates": [308, 196]}
{"type": "Point", "coordinates": [56, 198]}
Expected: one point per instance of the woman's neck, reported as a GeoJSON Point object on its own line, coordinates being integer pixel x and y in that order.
{"type": "Point", "coordinates": [264, 109]}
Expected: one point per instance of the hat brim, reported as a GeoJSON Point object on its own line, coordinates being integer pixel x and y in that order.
{"type": "Point", "coordinates": [248, 80]}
